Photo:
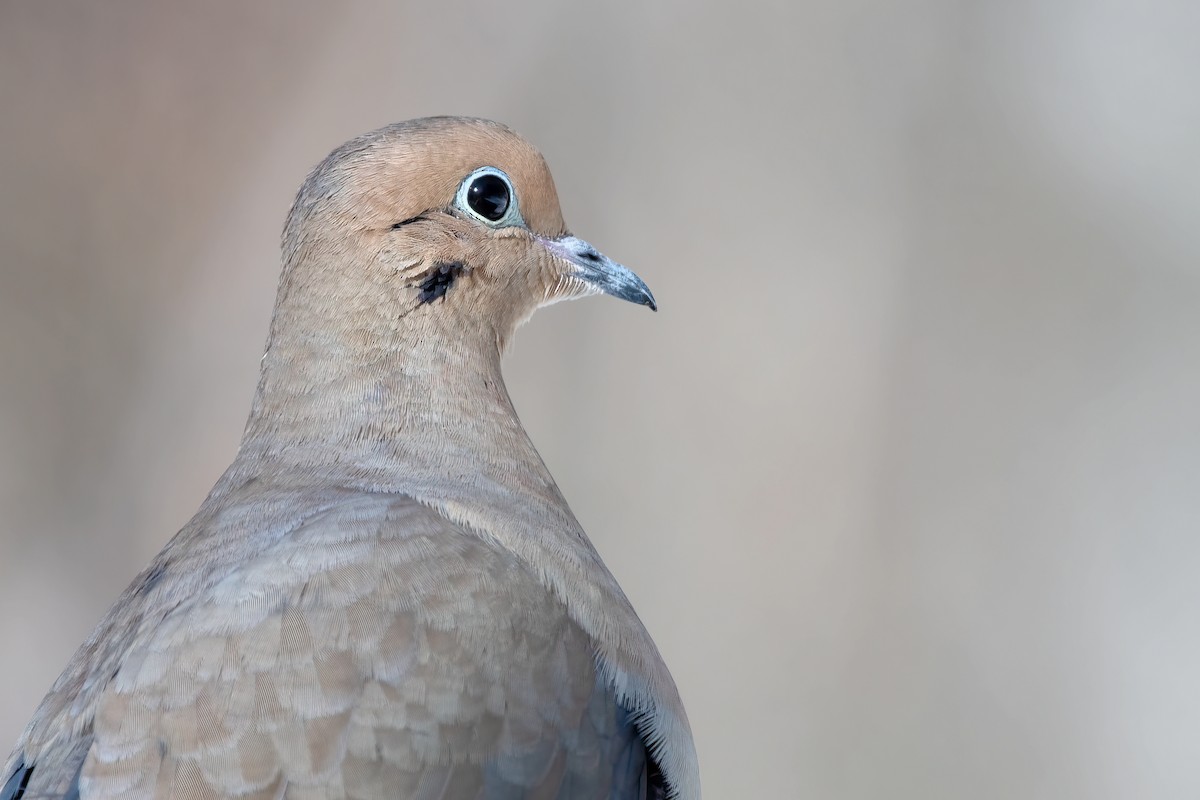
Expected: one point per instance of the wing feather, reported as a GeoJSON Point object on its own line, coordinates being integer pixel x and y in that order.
{"type": "Point", "coordinates": [376, 651]}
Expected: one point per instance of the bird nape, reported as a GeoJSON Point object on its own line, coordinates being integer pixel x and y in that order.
{"type": "Point", "coordinates": [385, 595]}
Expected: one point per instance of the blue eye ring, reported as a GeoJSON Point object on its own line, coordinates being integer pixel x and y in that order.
{"type": "Point", "coordinates": [487, 195]}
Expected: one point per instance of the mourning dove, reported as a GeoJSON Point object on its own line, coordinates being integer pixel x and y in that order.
{"type": "Point", "coordinates": [385, 595]}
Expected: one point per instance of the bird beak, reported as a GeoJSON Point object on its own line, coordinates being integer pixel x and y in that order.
{"type": "Point", "coordinates": [598, 270]}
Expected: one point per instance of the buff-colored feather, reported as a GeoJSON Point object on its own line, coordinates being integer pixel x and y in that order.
{"type": "Point", "coordinates": [386, 595]}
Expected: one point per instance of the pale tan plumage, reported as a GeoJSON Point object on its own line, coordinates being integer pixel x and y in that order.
{"type": "Point", "coordinates": [385, 595]}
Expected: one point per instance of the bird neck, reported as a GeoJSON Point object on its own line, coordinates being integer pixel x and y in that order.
{"type": "Point", "coordinates": [410, 410]}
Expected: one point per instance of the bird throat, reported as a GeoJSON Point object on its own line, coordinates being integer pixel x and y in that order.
{"type": "Point", "coordinates": [420, 405]}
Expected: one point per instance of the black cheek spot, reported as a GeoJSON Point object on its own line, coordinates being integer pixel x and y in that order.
{"type": "Point", "coordinates": [438, 281]}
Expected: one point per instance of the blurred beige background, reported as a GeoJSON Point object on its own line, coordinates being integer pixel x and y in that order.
{"type": "Point", "coordinates": [905, 475]}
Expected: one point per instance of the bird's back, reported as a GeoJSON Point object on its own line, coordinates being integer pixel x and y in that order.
{"type": "Point", "coordinates": [362, 647]}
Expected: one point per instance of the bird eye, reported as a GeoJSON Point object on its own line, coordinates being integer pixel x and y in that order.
{"type": "Point", "coordinates": [487, 194]}
{"type": "Point", "coordinates": [488, 197]}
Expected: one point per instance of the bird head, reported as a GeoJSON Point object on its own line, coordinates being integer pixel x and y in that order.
{"type": "Point", "coordinates": [437, 224]}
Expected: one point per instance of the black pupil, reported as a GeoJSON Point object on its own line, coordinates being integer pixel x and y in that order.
{"type": "Point", "coordinates": [488, 197]}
